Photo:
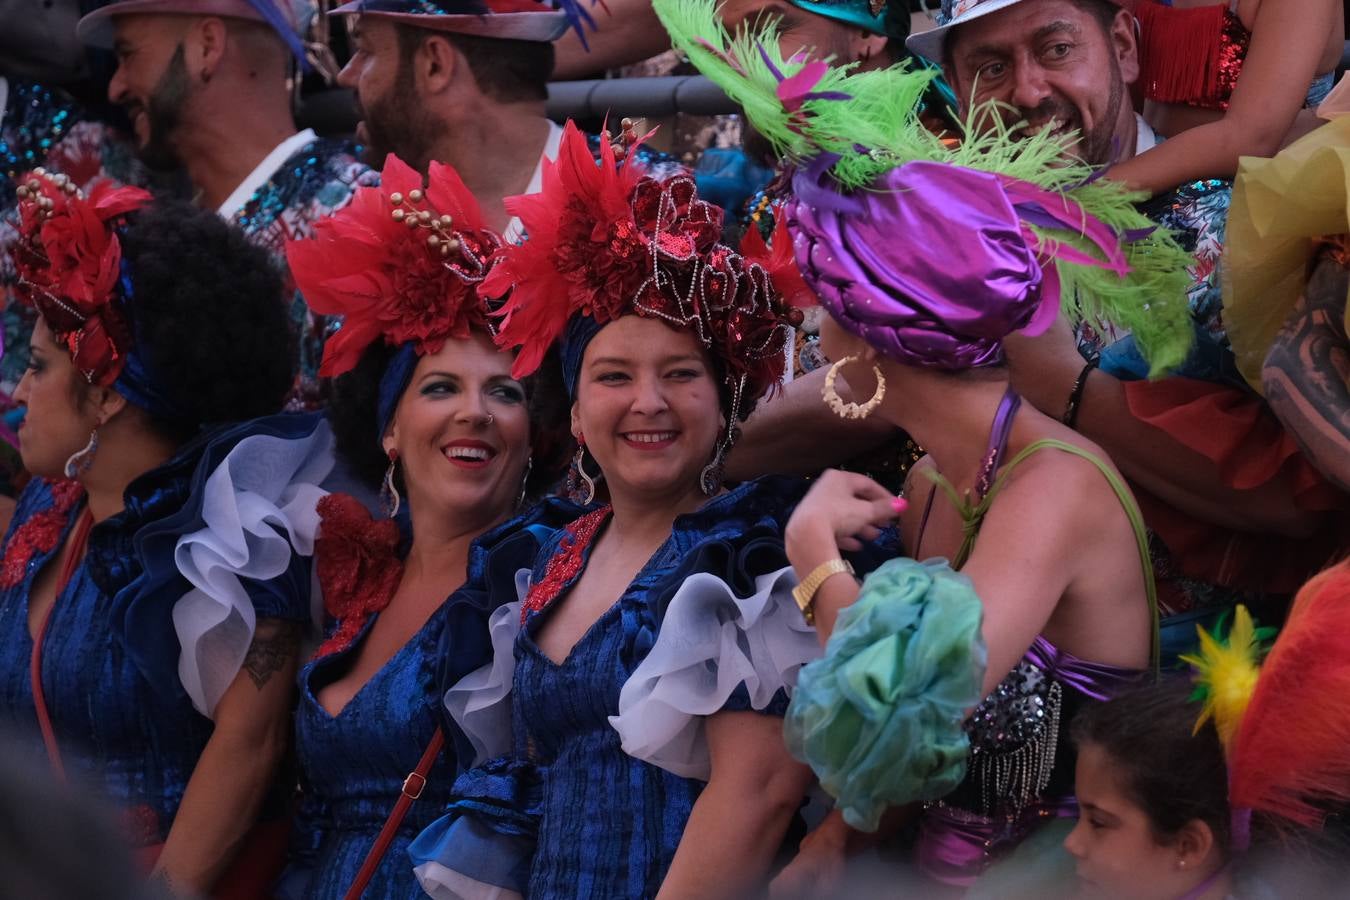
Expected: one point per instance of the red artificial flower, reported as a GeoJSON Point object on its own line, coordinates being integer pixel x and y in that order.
{"type": "Point", "coordinates": [607, 241]}
{"type": "Point", "coordinates": [780, 263]}
{"type": "Point", "coordinates": [356, 559]}
{"type": "Point", "coordinates": [69, 260]}
{"type": "Point", "coordinates": [585, 252]}
{"type": "Point", "coordinates": [381, 263]}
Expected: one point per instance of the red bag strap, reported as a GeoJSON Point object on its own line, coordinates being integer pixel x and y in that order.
{"type": "Point", "coordinates": [74, 555]}
{"type": "Point", "coordinates": [413, 786]}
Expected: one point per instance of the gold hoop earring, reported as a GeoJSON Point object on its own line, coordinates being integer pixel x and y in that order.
{"type": "Point", "coordinates": [852, 410]}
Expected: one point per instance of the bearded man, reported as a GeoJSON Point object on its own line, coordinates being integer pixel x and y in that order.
{"type": "Point", "coordinates": [207, 86]}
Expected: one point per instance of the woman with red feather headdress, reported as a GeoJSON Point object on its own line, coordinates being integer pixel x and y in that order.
{"type": "Point", "coordinates": [145, 666]}
{"type": "Point", "coordinates": [423, 403]}
{"type": "Point", "coordinates": [629, 726]}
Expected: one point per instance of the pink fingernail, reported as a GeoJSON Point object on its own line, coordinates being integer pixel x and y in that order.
{"type": "Point", "coordinates": [899, 504]}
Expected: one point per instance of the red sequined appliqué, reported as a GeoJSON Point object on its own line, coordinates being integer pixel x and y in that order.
{"type": "Point", "coordinates": [566, 561]}
{"type": "Point", "coordinates": [357, 561]}
{"type": "Point", "coordinates": [38, 536]}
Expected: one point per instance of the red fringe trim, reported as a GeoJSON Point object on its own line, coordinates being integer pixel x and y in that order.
{"type": "Point", "coordinates": [1180, 51]}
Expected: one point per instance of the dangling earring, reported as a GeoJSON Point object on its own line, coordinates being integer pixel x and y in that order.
{"type": "Point", "coordinates": [389, 491]}
{"type": "Point", "coordinates": [80, 461]}
{"type": "Point", "coordinates": [588, 483]}
{"type": "Point", "coordinates": [580, 483]}
{"type": "Point", "coordinates": [525, 481]}
{"type": "Point", "coordinates": [852, 410]}
{"type": "Point", "coordinates": [710, 479]}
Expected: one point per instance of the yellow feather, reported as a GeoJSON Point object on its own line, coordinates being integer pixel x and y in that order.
{"type": "Point", "coordinates": [1227, 672]}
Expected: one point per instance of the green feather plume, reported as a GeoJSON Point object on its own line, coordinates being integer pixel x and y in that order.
{"type": "Point", "coordinates": [877, 128]}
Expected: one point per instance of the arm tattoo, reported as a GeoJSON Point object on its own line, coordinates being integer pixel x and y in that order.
{"type": "Point", "coordinates": [1307, 373]}
{"type": "Point", "coordinates": [275, 644]}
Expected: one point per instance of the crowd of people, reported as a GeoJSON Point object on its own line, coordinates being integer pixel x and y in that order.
{"type": "Point", "coordinates": [475, 507]}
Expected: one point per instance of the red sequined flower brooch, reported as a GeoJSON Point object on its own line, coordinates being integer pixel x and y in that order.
{"type": "Point", "coordinates": [607, 240]}
{"type": "Point", "coordinates": [357, 563]}
{"type": "Point", "coordinates": [69, 261]}
{"type": "Point", "coordinates": [400, 262]}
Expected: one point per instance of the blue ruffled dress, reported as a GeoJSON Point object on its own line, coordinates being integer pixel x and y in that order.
{"type": "Point", "coordinates": [353, 764]}
{"type": "Point", "coordinates": [128, 731]}
{"type": "Point", "coordinates": [607, 751]}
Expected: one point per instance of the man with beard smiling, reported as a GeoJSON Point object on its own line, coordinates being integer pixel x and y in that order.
{"type": "Point", "coordinates": [461, 82]}
{"type": "Point", "coordinates": [206, 86]}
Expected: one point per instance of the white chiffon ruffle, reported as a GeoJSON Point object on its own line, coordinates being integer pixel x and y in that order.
{"type": "Point", "coordinates": [711, 642]}
{"type": "Point", "coordinates": [480, 702]}
{"type": "Point", "coordinates": [259, 508]}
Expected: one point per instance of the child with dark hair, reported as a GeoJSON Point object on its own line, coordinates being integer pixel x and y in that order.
{"type": "Point", "coordinates": [1170, 790]}
{"type": "Point", "coordinates": [1153, 797]}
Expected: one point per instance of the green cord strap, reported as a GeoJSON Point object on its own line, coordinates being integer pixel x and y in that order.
{"type": "Point", "coordinates": [972, 516]}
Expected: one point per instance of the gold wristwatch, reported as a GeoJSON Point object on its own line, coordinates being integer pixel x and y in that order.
{"type": "Point", "coordinates": [805, 592]}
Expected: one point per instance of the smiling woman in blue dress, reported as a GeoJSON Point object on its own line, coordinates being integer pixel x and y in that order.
{"type": "Point", "coordinates": [643, 676]}
{"type": "Point", "coordinates": [423, 401]}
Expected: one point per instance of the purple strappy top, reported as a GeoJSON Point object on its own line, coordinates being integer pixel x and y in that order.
{"type": "Point", "coordinates": [1020, 772]}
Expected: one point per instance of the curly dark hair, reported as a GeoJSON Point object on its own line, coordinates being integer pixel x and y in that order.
{"type": "Point", "coordinates": [1175, 773]}
{"type": "Point", "coordinates": [210, 317]}
{"type": "Point", "coordinates": [352, 402]}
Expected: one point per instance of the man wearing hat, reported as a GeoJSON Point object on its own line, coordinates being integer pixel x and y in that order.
{"type": "Point", "coordinates": [461, 82]}
{"type": "Point", "coordinates": [206, 84]}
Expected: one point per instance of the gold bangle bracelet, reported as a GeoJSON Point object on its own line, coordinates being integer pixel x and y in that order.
{"type": "Point", "coordinates": [805, 592]}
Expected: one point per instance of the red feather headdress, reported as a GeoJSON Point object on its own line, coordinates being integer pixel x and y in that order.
{"type": "Point", "coordinates": [400, 262]}
{"type": "Point", "coordinates": [69, 262]}
{"type": "Point", "coordinates": [606, 240]}
{"type": "Point", "coordinates": [1285, 724]}
{"type": "Point", "coordinates": [1288, 757]}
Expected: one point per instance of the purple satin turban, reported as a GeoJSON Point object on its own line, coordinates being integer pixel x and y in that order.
{"type": "Point", "coordinates": [934, 265]}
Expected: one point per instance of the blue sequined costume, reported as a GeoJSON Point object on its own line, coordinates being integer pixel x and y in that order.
{"type": "Point", "coordinates": [603, 781]}
{"type": "Point", "coordinates": [311, 184]}
{"type": "Point", "coordinates": [127, 731]}
{"type": "Point", "coordinates": [353, 764]}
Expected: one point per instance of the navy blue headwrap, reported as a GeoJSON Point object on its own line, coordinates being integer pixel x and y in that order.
{"type": "Point", "coordinates": [137, 383]}
{"type": "Point", "coordinates": [393, 383]}
{"type": "Point", "coordinates": [580, 331]}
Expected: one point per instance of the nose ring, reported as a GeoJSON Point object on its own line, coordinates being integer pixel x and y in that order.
{"type": "Point", "coordinates": [491, 418]}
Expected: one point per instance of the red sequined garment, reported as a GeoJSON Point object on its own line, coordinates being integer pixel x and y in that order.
{"type": "Point", "coordinates": [1190, 55]}
{"type": "Point", "coordinates": [38, 536]}
{"type": "Point", "coordinates": [359, 569]}
{"type": "Point", "coordinates": [566, 562]}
